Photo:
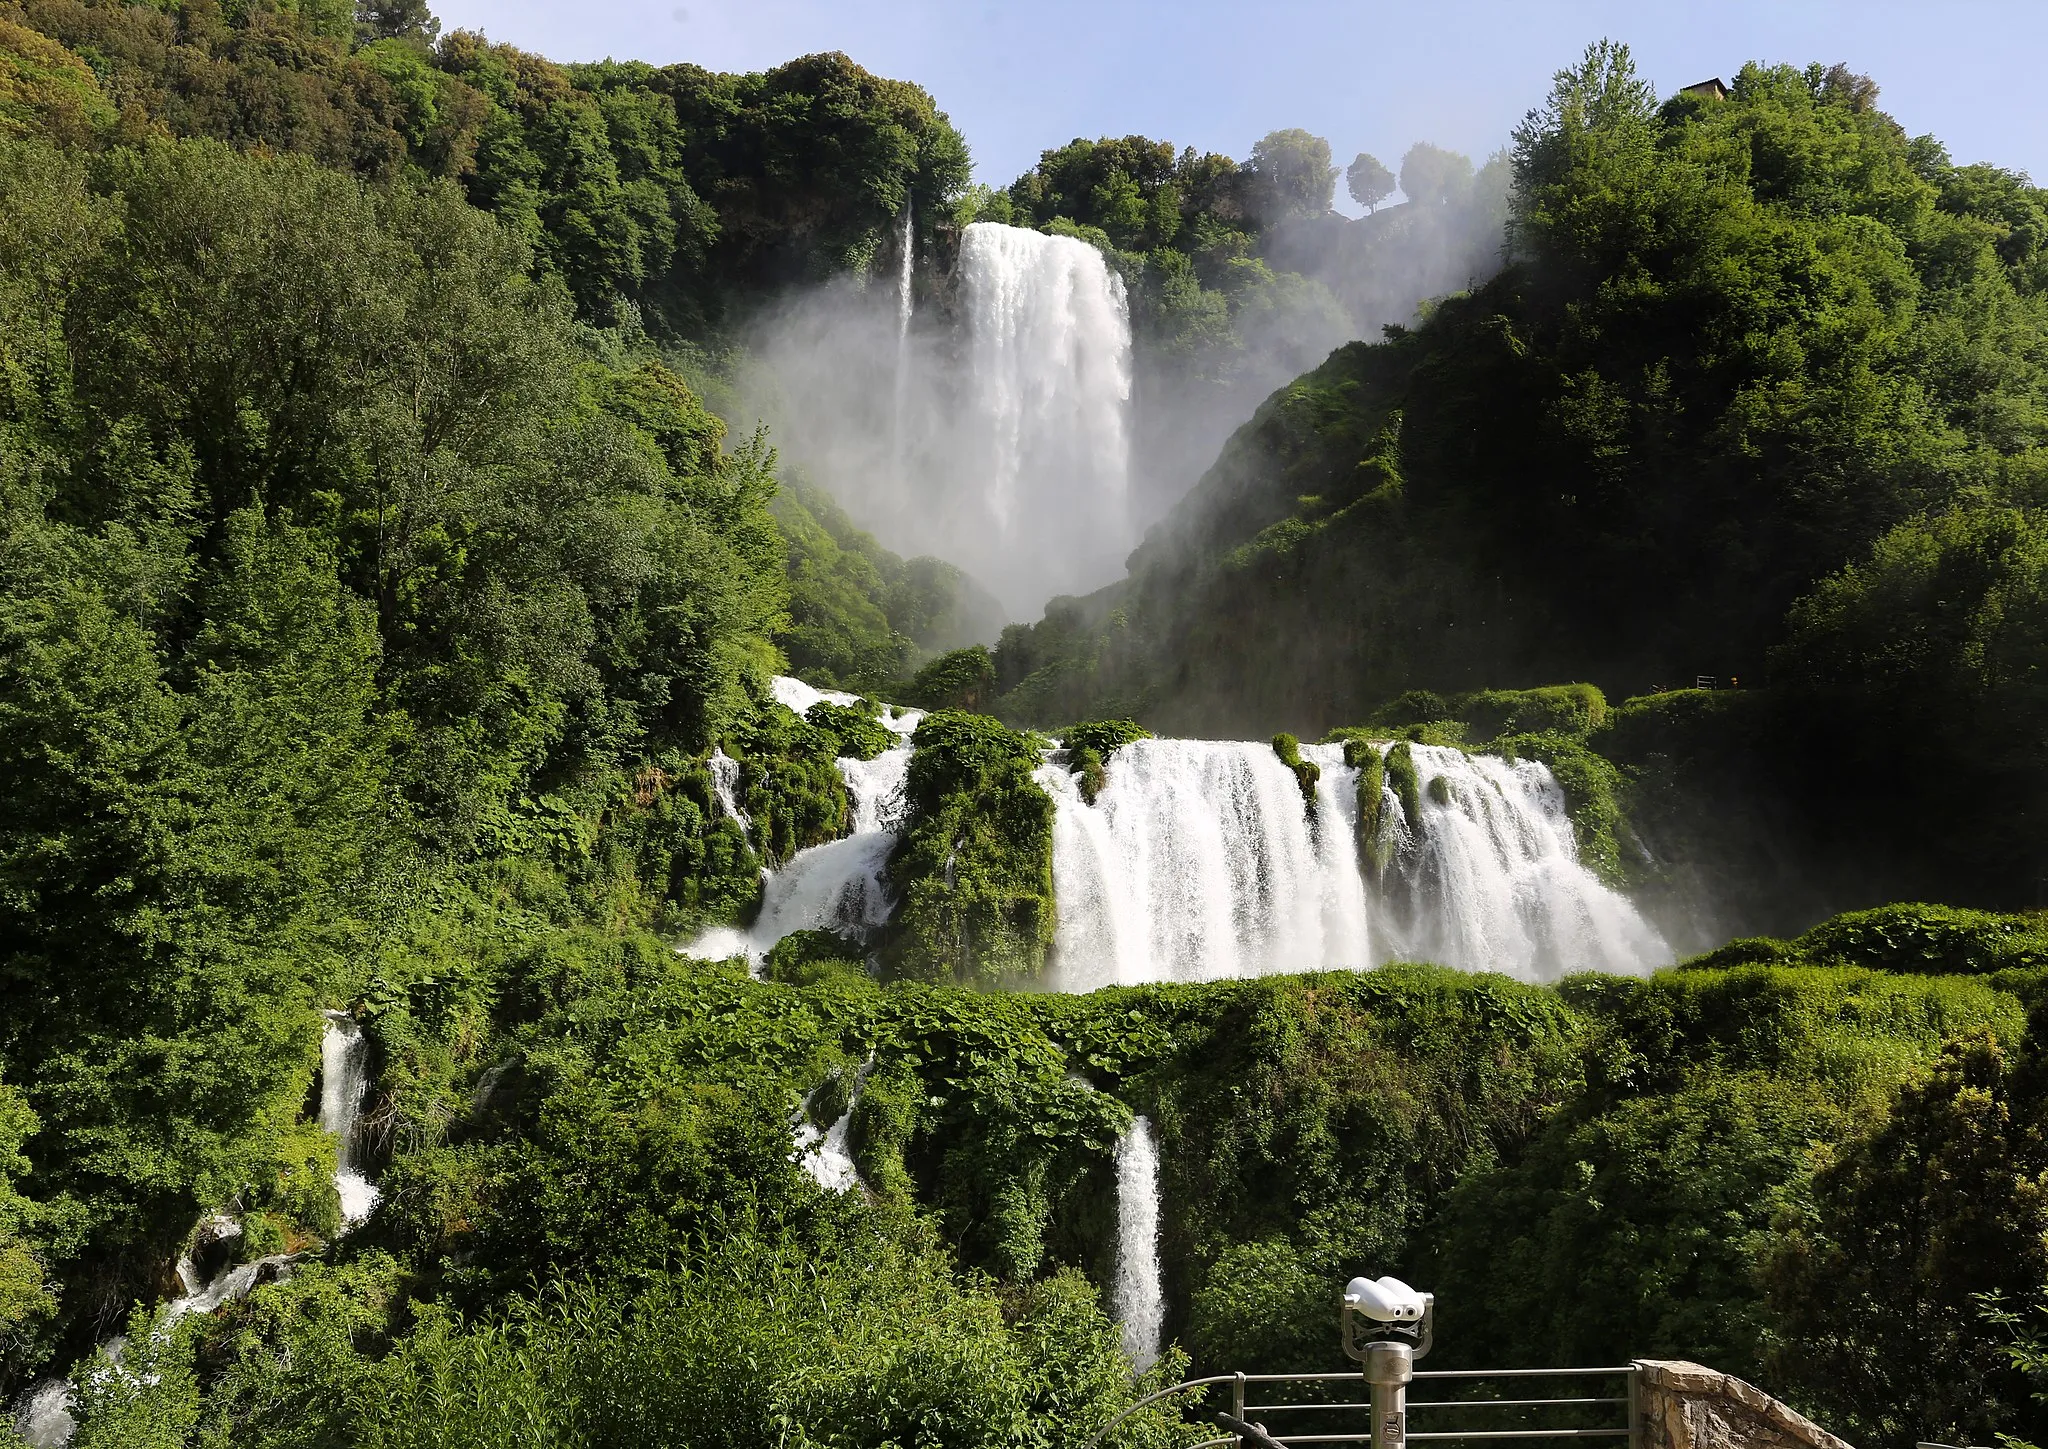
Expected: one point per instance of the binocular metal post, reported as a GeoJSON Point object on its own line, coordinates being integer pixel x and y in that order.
{"type": "Point", "coordinates": [1388, 1368]}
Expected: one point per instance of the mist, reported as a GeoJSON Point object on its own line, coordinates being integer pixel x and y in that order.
{"type": "Point", "coordinates": [1024, 406]}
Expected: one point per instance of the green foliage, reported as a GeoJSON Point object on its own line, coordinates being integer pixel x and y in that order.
{"type": "Point", "coordinates": [814, 958]}
{"type": "Point", "coordinates": [973, 866]}
{"type": "Point", "coordinates": [1877, 1285]}
{"type": "Point", "coordinates": [1089, 747]}
{"type": "Point", "coordinates": [853, 729]}
{"type": "Point", "coordinates": [1642, 1217]}
{"type": "Point", "coordinates": [1306, 772]}
{"type": "Point", "coordinates": [859, 615]}
{"type": "Point", "coordinates": [961, 680]}
{"type": "Point", "coordinates": [1907, 937]}
{"type": "Point", "coordinates": [662, 193]}
{"type": "Point", "coordinates": [1375, 831]}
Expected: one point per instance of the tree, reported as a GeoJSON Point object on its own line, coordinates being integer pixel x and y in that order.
{"type": "Point", "coordinates": [1432, 176]}
{"type": "Point", "coordinates": [396, 20]}
{"type": "Point", "coordinates": [1292, 175]}
{"type": "Point", "coordinates": [1369, 181]}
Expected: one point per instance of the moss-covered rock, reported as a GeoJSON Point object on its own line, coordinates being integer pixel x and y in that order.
{"type": "Point", "coordinates": [1306, 772]}
{"type": "Point", "coordinates": [973, 866]}
{"type": "Point", "coordinates": [1400, 767]}
{"type": "Point", "coordinates": [1090, 745]}
{"type": "Point", "coordinates": [852, 729]}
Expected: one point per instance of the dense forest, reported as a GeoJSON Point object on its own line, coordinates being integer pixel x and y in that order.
{"type": "Point", "coordinates": [387, 626]}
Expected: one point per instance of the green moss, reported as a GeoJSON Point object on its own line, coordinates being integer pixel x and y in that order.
{"type": "Point", "coordinates": [1306, 772]}
{"type": "Point", "coordinates": [1567, 709]}
{"type": "Point", "coordinates": [789, 783]}
{"type": "Point", "coordinates": [1105, 737]}
{"type": "Point", "coordinates": [973, 867]}
{"type": "Point", "coordinates": [1400, 766]}
{"type": "Point", "coordinates": [1374, 851]}
{"type": "Point", "coordinates": [1441, 790]}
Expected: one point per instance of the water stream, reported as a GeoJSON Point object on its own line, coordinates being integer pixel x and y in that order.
{"type": "Point", "coordinates": [1137, 1296]}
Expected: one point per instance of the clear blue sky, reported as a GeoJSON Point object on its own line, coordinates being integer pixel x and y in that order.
{"type": "Point", "coordinates": [1020, 77]}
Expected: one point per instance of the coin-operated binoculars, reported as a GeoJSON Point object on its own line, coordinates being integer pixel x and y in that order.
{"type": "Point", "coordinates": [1387, 1326]}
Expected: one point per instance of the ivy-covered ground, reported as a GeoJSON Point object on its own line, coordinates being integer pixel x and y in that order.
{"type": "Point", "coordinates": [604, 1235]}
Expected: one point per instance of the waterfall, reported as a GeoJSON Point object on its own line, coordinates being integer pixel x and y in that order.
{"type": "Point", "coordinates": [1137, 1297]}
{"type": "Point", "coordinates": [725, 783]}
{"type": "Point", "coordinates": [842, 885]}
{"type": "Point", "coordinates": [824, 1154]}
{"type": "Point", "coordinates": [43, 1416]}
{"type": "Point", "coordinates": [1489, 877]}
{"type": "Point", "coordinates": [1200, 860]}
{"type": "Point", "coordinates": [1049, 382]}
{"type": "Point", "coordinates": [344, 1082]}
{"type": "Point", "coordinates": [905, 307]}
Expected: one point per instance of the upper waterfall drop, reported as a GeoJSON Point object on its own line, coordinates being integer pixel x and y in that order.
{"type": "Point", "coordinates": [1049, 385]}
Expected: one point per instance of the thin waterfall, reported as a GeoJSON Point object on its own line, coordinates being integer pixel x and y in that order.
{"type": "Point", "coordinates": [824, 1155]}
{"type": "Point", "coordinates": [1137, 1296]}
{"type": "Point", "coordinates": [344, 1083]}
{"type": "Point", "coordinates": [905, 305]}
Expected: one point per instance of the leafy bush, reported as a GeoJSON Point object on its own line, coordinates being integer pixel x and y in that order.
{"type": "Point", "coordinates": [852, 729]}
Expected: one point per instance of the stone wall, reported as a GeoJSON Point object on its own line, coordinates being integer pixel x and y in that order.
{"type": "Point", "coordinates": [1685, 1406]}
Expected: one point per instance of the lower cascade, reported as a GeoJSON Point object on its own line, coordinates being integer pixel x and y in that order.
{"type": "Point", "coordinates": [1200, 859]}
{"type": "Point", "coordinates": [1137, 1297]}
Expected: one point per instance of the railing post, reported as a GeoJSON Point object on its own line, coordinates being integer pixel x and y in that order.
{"type": "Point", "coordinates": [1635, 1406]}
{"type": "Point", "coordinates": [1237, 1405]}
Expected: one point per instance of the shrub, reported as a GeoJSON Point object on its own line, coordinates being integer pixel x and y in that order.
{"type": "Point", "coordinates": [852, 729]}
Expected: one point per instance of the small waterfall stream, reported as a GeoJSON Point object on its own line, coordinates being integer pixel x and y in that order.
{"type": "Point", "coordinates": [344, 1082]}
{"type": "Point", "coordinates": [43, 1415]}
{"type": "Point", "coordinates": [1137, 1297]}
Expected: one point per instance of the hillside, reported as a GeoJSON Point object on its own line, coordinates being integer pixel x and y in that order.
{"type": "Point", "coordinates": [464, 989]}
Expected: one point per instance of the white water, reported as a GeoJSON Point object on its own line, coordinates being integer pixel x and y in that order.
{"type": "Point", "coordinates": [43, 1416]}
{"type": "Point", "coordinates": [344, 1082]}
{"type": "Point", "coordinates": [905, 308]}
{"type": "Point", "coordinates": [1199, 860]}
{"type": "Point", "coordinates": [725, 782]}
{"type": "Point", "coordinates": [824, 1154]}
{"type": "Point", "coordinates": [1046, 464]}
{"type": "Point", "coordinates": [842, 885]}
{"type": "Point", "coordinates": [1137, 1297]}
{"type": "Point", "coordinates": [1491, 880]}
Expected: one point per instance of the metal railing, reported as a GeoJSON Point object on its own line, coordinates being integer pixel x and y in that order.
{"type": "Point", "coordinates": [1349, 1422]}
